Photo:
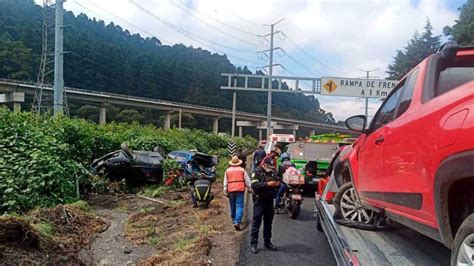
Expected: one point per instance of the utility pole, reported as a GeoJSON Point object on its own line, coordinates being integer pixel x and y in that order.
{"type": "Point", "coordinates": [367, 99]}
{"type": "Point", "coordinates": [58, 60]}
{"type": "Point", "coordinates": [270, 76]}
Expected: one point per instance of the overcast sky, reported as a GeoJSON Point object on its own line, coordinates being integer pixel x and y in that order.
{"type": "Point", "coordinates": [322, 38]}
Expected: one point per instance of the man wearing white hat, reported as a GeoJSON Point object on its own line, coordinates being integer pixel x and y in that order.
{"type": "Point", "coordinates": [236, 180]}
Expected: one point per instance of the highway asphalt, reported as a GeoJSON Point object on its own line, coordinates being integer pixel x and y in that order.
{"type": "Point", "coordinates": [298, 242]}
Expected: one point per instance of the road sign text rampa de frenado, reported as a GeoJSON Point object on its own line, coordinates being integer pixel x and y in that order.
{"type": "Point", "coordinates": [372, 88]}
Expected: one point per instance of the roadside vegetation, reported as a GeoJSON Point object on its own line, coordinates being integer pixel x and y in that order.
{"type": "Point", "coordinates": [43, 158]}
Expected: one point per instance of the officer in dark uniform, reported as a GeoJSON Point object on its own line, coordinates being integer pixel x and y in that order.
{"type": "Point", "coordinates": [265, 185]}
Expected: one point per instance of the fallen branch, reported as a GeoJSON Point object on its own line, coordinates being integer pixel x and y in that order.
{"type": "Point", "coordinates": [65, 214]}
{"type": "Point", "coordinates": [153, 199]}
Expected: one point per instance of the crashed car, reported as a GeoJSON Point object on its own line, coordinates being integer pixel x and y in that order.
{"type": "Point", "coordinates": [133, 166]}
{"type": "Point", "coordinates": [195, 163]}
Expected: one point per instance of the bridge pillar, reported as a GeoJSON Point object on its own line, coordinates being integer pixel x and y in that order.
{"type": "Point", "coordinates": [259, 134]}
{"type": "Point", "coordinates": [102, 114]}
{"type": "Point", "coordinates": [312, 132]}
{"type": "Point", "coordinates": [240, 131]}
{"type": "Point", "coordinates": [16, 107]}
{"type": "Point", "coordinates": [179, 118]}
{"type": "Point", "coordinates": [13, 97]}
{"type": "Point", "coordinates": [167, 120]}
{"type": "Point", "coordinates": [215, 126]}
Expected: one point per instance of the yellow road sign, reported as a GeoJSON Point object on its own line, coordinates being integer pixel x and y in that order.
{"type": "Point", "coordinates": [330, 86]}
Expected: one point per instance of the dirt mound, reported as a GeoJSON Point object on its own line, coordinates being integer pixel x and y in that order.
{"type": "Point", "coordinates": [47, 236]}
{"type": "Point", "coordinates": [204, 246]}
{"type": "Point", "coordinates": [73, 228]}
{"type": "Point", "coordinates": [18, 233]}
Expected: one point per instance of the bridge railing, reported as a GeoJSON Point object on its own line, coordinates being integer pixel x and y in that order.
{"type": "Point", "coordinates": [170, 103]}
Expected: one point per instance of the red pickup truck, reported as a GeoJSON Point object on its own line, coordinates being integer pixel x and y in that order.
{"type": "Point", "coordinates": [414, 163]}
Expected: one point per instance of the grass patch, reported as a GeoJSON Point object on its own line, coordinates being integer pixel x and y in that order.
{"type": "Point", "coordinates": [147, 209]}
{"type": "Point", "coordinates": [155, 241]}
{"type": "Point", "coordinates": [205, 229]}
{"type": "Point", "coordinates": [45, 230]}
{"type": "Point", "coordinates": [177, 203]}
{"type": "Point", "coordinates": [154, 191]}
{"type": "Point", "coordinates": [184, 243]}
{"type": "Point", "coordinates": [82, 205]}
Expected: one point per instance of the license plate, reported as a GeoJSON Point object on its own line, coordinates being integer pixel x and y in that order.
{"type": "Point", "coordinates": [296, 196]}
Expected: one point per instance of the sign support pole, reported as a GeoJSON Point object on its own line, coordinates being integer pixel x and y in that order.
{"type": "Point", "coordinates": [234, 110]}
{"type": "Point", "coordinates": [367, 99]}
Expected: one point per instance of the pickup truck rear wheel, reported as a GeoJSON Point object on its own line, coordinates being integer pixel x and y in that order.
{"type": "Point", "coordinates": [348, 207]}
{"type": "Point", "coordinates": [463, 247]}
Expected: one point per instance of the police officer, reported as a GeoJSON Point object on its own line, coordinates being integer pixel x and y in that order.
{"type": "Point", "coordinates": [265, 185]}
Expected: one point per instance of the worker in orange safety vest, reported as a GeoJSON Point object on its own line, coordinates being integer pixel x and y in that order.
{"type": "Point", "coordinates": [236, 180]}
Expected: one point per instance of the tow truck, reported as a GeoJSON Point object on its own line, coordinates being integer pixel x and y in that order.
{"type": "Point", "coordinates": [391, 244]}
{"type": "Point", "coordinates": [413, 166]}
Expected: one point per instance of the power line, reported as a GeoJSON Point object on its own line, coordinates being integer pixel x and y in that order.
{"type": "Point", "coordinates": [246, 20]}
{"type": "Point", "coordinates": [305, 67]}
{"type": "Point", "coordinates": [115, 61]}
{"type": "Point", "coordinates": [221, 22]}
{"type": "Point", "coordinates": [212, 26]}
{"type": "Point", "coordinates": [119, 18]}
{"type": "Point", "coordinates": [314, 58]}
{"type": "Point", "coordinates": [299, 48]}
{"type": "Point", "coordinates": [186, 33]}
{"type": "Point", "coordinates": [153, 35]}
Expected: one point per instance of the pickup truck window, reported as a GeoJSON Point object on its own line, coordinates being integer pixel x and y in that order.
{"type": "Point", "coordinates": [387, 111]}
{"type": "Point", "coordinates": [407, 95]}
{"type": "Point", "coordinates": [453, 77]}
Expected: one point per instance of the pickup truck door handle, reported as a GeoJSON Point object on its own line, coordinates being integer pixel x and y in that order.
{"type": "Point", "coordinates": [379, 140]}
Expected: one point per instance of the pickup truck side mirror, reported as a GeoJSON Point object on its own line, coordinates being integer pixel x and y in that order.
{"type": "Point", "coordinates": [356, 123]}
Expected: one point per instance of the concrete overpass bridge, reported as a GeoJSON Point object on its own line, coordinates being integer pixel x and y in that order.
{"type": "Point", "coordinates": [106, 98]}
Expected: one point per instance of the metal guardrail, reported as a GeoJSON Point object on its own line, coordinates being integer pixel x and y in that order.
{"type": "Point", "coordinates": [173, 104]}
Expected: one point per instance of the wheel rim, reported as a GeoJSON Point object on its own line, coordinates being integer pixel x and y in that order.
{"type": "Point", "coordinates": [352, 210]}
{"type": "Point", "coordinates": [466, 251]}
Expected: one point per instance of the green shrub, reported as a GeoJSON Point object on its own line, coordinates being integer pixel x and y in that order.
{"type": "Point", "coordinates": [154, 191]}
{"type": "Point", "coordinates": [41, 158]}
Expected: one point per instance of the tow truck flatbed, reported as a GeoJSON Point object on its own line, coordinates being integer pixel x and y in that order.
{"type": "Point", "coordinates": [394, 244]}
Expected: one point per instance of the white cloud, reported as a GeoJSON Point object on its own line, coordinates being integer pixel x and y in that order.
{"type": "Point", "coordinates": [347, 35]}
{"type": "Point", "coordinates": [343, 108]}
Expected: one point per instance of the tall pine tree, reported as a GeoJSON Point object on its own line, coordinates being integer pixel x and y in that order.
{"type": "Point", "coordinates": [463, 31]}
{"type": "Point", "coordinates": [418, 48]}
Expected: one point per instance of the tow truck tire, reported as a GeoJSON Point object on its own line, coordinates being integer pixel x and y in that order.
{"type": "Point", "coordinates": [464, 243]}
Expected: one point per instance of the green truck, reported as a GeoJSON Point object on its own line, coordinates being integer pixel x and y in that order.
{"type": "Point", "coordinates": [312, 156]}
